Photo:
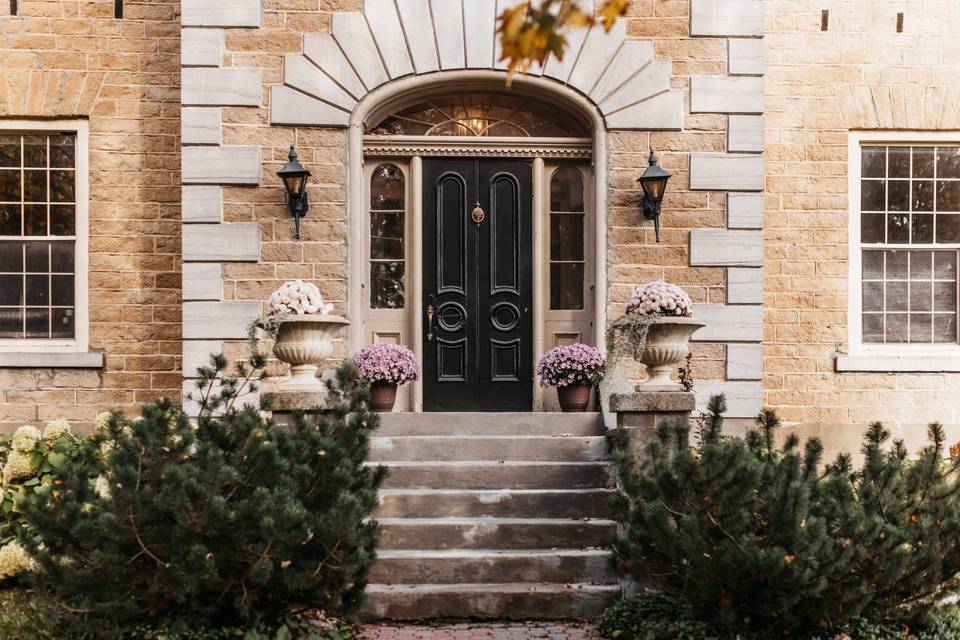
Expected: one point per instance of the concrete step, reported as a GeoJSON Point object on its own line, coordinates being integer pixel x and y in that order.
{"type": "Point", "coordinates": [503, 503]}
{"type": "Point", "coordinates": [456, 447]}
{"type": "Point", "coordinates": [493, 565]}
{"type": "Point", "coordinates": [470, 474]}
{"type": "Point", "coordinates": [506, 424]}
{"type": "Point", "coordinates": [494, 533]}
{"type": "Point", "coordinates": [516, 601]}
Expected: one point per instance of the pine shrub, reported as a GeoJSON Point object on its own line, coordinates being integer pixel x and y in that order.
{"type": "Point", "coordinates": [756, 540]}
{"type": "Point", "coordinates": [225, 521]}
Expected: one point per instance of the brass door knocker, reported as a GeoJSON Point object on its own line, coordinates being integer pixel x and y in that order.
{"type": "Point", "coordinates": [478, 213]}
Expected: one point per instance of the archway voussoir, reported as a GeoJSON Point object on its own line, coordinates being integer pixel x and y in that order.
{"type": "Point", "coordinates": [291, 107]}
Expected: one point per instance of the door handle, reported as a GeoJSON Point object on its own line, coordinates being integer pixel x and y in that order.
{"type": "Point", "coordinates": [430, 312]}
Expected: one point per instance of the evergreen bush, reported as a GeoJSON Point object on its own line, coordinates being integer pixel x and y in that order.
{"type": "Point", "coordinates": [222, 522]}
{"type": "Point", "coordinates": [753, 539]}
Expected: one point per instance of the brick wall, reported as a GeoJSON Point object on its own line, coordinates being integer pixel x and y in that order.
{"type": "Point", "coordinates": [860, 74]}
{"type": "Point", "coordinates": [68, 58]}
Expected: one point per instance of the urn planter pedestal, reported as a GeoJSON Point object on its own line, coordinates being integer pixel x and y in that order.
{"type": "Point", "coordinates": [667, 345]}
{"type": "Point", "coordinates": [304, 342]}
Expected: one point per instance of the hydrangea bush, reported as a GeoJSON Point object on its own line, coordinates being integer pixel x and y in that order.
{"type": "Point", "coordinates": [28, 459]}
{"type": "Point", "coordinates": [660, 298]}
{"type": "Point", "coordinates": [297, 298]}
{"type": "Point", "coordinates": [385, 362]}
{"type": "Point", "coordinates": [571, 364]}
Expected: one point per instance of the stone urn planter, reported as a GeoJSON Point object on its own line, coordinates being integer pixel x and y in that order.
{"type": "Point", "coordinates": [667, 345]}
{"type": "Point", "coordinates": [304, 342]}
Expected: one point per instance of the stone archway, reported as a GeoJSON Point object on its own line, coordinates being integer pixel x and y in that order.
{"type": "Point", "coordinates": [392, 40]}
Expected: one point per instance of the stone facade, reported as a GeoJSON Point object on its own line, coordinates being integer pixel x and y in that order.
{"type": "Point", "coordinates": [859, 74]}
{"type": "Point", "coordinates": [748, 103]}
{"type": "Point", "coordinates": [70, 59]}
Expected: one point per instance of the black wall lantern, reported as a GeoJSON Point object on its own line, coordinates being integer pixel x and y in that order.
{"type": "Point", "coordinates": [294, 176]}
{"type": "Point", "coordinates": [654, 183]}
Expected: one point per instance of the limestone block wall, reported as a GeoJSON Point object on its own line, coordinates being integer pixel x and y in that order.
{"type": "Point", "coordinates": [68, 59]}
{"type": "Point", "coordinates": [859, 74]}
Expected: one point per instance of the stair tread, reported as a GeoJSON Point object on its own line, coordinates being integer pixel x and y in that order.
{"type": "Point", "coordinates": [493, 587]}
{"type": "Point", "coordinates": [485, 553]}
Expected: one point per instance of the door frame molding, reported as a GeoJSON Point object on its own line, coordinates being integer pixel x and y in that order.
{"type": "Point", "coordinates": [379, 102]}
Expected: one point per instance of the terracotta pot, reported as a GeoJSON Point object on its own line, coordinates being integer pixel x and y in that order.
{"type": "Point", "coordinates": [383, 395]}
{"type": "Point", "coordinates": [668, 343]}
{"type": "Point", "coordinates": [574, 398]}
{"type": "Point", "coordinates": [304, 342]}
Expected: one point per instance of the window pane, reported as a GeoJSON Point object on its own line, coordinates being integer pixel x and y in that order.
{"type": "Point", "coordinates": [873, 327]}
{"type": "Point", "coordinates": [948, 196]}
{"type": "Point", "coordinates": [921, 265]}
{"type": "Point", "coordinates": [11, 322]}
{"type": "Point", "coordinates": [62, 186]}
{"type": "Point", "coordinates": [37, 290]}
{"type": "Point", "coordinates": [897, 327]}
{"type": "Point", "coordinates": [61, 291]}
{"type": "Point", "coordinates": [10, 220]}
{"type": "Point", "coordinates": [11, 290]}
{"type": "Point", "coordinates": [897, 264]}
{"type": "Point", "coordinates": [9, 150]}
{"type": "Point", "coordinates": [10, 185]}
{"type": "Point", "coordinates": [898, 228]}
{"type": "Point", "coordinates": [38, 323]}
{"type": "Point", "coordinates": [873, 296]}
{"type": "Point", "coordinates": [387, 285]}
{"type": "Point", "coordinates": [566, 190]}
{"type": "Point", "coordinates": [873, 195]}
{"type": "Point", "coordinates": [921, 327]}
{"type": "Point", "coordinates": [61, 257]}
{"type": "Point", "coordinates": [63, 150]}
{"type": "Point", "coordinates": [387, 190]}
{"type": "Point", "coordinates": [923, 195]}
{"type": "Point", "coordinates": [899, 162]}
{"type": "Point", "coordinates": [873, 162]}
{"type": "Point", "coordinates": [38, 260]}
{"type": "Point", "coordinates": [948, 162]}
{"type": "Point", "coordinates": [35, 151]}
{"type": "Point", "coordinates": [873, 265]}
{"type": "Point", "coordinates": [61, 321]}
{"type": "Point", "coordinates": [948, 228]}
{"type": "Point", "coordinates": [566, 286]}
{"type": "Point", "coordinates": [945, 265]}
{"type": "Point", "coordinates": [921, 228]}
{"type": "Point", "coordinates": [873, 228]}
{"type": "Point", "coordinates": [944, 296]}
{"type": "Point", "coordinates": [386, 236]}
{"type": "Point", "coordinates": [896, 296]}
{"type": "Point", "coordinates": [923, 162]}
{"type": "Point", "coordinates": [898, 195]}
{"type": "Point", "coordinates": [566, 237]}
{"type": "Point", "coordinates": [34, 185]}
{"type": "Point", "coordinates": [945, 328]}
{"type": "Point", "coordinates": [35, 219]}
{"type": "Point", "coordinates": [62, 220]}
{"type": "Point", "coordinates": [921, 296]}
{"type": "Point", "coordinates": [11, 257]}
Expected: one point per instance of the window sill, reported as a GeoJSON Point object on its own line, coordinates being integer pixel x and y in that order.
{"type": "Point", "coordinates": [40, 360]}
{"type": "Point", "coordinates": [904, 364]}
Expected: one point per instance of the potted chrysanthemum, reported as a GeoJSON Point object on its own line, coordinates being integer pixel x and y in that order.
{"type": "Point", "coordinates": [656, 328]}
{"type": "Point", "coordinates": [300, 322]}
{"type": "Point", "coordinates": [385, 366]}
{"type": "Point", "coordinates": [574, 370]}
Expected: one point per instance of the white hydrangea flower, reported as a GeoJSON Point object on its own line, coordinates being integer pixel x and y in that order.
{"type": "Point", "coordinates": [55, 429]}
{"type": "Point", "coordinates": [102, 487]}
{"type": "Point", "coordinates": [25, 438]}
{"type": "Point", "coordinates": [297, 298]}
{"type": "Point", "coordinates": [19, 465]}
{"type": "Point", "coordinates": [102, 422]}
{"type": "Point", "coordinates": [14, 560]}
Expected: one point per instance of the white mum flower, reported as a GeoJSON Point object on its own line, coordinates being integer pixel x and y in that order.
{"type": "Point", "coordinates": [102, 422]}
{"type": "Point", "coordinates": [102, 487]}
{"type": "Point", "coordinates": [25, 438]}
{"type": "Point", "coordinates": [19, 465]}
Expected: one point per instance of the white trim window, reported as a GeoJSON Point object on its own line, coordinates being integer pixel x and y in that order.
{"type": "Point", "coordinates": [43, 236]}
{"type": "Point", "coordinates": [904, 252]}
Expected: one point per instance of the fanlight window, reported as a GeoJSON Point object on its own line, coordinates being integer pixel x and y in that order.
{"type": "Point", "coordinates": [484, 115]}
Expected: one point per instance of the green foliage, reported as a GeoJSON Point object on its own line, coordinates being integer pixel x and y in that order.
{"type": "Point", "coordinates": [658, 616]}
{"type": "Point", "coordinates": [765, 540]}
{"type": "Point", "coordinates": [225, 521]}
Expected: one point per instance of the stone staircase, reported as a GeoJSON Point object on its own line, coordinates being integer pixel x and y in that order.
{"type": "Point", "coordinates": [492, 515]}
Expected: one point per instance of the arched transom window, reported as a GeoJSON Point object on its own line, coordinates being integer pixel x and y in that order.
{"type": "Point", "coordinates": [482, 115]}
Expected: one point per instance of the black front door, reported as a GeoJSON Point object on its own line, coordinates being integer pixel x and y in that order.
{"type": "Point", "coordinates": [478, 285]}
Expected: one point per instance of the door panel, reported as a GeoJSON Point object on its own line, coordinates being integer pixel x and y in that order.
{"type": "Point", "coordinates": [478, 286]}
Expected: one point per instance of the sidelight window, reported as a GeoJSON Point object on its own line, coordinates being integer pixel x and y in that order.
{"type": "Point", "coordinates": [40, 214]}
{"type": "Point", "coordinates": [567, 263]}
{"type": "Point", "coordinates": [387, 230]}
